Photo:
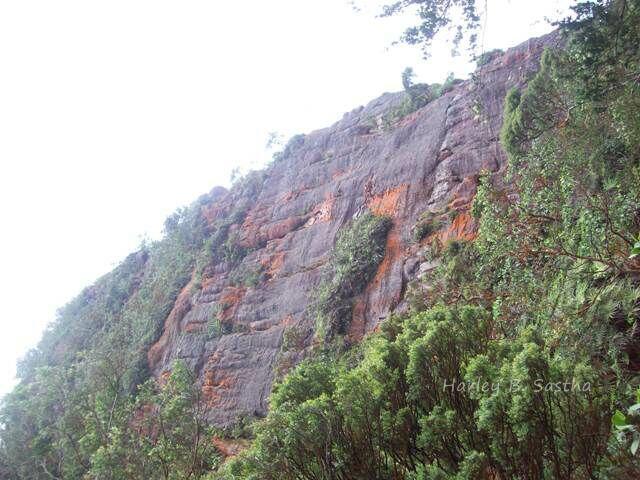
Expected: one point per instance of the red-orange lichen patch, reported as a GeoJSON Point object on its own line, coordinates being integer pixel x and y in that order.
{"type": "Point", "coordinates": [392, 253]}
{"type": "Point", "coordinates": [194, 327]}
{"type": "Point", "coordinates": [279, 229]}
{"type": "Point", "coordinates": [249, 231]}
{"type": "Point", "coordinates": [208, 281]}
{"type": "Point", "coordinates": [211, 212]}
{"type": "Point", "coordinates": [387, 202]}
{"type": "Point", "coordinates": [288, 321]}
{"type": "Point", "coordinates": [212, 387]}
{"type": "Point", "coordinates": [229, 300]}
{"type": "Point", "coordinates": [164, 377]}
{"type": "Point", "coordinates": [339, 173]}
{"type": "Point", "coordinates": [288, 196]}
{"type": "Point", "coordinates": [463, 227]}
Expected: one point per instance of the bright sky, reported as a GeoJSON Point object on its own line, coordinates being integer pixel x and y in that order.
{"type": "Point", "coordinates": [113, 114]}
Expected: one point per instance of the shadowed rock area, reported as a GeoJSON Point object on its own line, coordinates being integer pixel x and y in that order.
{"type": "Point", "coordinates": [429, 161]}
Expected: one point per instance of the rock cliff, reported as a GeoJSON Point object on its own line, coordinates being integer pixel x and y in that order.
{"type": "Point", "coordinates": [426, 163]}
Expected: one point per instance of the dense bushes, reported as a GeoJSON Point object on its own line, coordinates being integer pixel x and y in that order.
{"type": "Point", "coordinates": [358, 250]}
{"type": "Point", "coordinates": [435, 396]}
{"type": "Point", "coordinates": [427, 224]}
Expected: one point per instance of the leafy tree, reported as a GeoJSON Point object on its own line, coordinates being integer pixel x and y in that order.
{"type": "Point", "coordinates": [165, 434]}
{"type": "Point", "coordinates": [434, 16]}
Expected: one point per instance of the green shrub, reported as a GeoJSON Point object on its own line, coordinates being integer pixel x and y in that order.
{"type": "Point", "coordinates": [215, 328]}
{"type": "Point", "coordinates": [231, 251]}
{"type": "Point", "coordinates": [427, 225]}
{"type": "Point", "coordinates": [416, 96]}
{"type": "Point", "coordinates": [415, 403]}
{"type": "Point", "coordinates": [440, 89]}
{"type": "Point", "coordinates": [248, 276]}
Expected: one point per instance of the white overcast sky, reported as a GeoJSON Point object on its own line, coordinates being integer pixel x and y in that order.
{"type": "Point", "coordinates": [114, 113]}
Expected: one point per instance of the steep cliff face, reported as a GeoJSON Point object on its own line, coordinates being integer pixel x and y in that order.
{"type": "Point", "coordinates": [427, 163]}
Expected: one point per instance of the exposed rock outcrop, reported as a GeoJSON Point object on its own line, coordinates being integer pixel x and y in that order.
{"type": "Point", "coordinates": [428, 162]}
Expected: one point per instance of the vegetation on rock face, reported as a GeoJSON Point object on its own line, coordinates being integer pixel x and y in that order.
{"type": "Point", "coordinates": [487, 57]}
{"type": "Point", "coordinates": [427, 224]}
{"type": "Point", "coordinates": [358, 250]}
{"type": "Point", "coordinates": [416, 96]}
{"type": "Point", "coordinates": [84, 407]}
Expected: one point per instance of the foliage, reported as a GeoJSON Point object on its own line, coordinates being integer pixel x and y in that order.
{"type": "Point", "coordinates": [399, 414]}
{"type": "Point", "coordinates": [358, 250]}
{"type": "Point", "coordinates": [627, 426]}
{"type": "Point", "coordinates": [215, 327]}
{"type": "Point", "coordinates": [426, 225]}
{"type": "Point", "coordinates": [447, 86]}
{"type": "Point", "coordinates": [79, 388]}
{"type": "Point", "coordinates": [487, 57]}
{"type": "Point", "coordinates": [416, 96]}
{"type": "Point", "coordinates": [462, 19]}
{"type": "Point", "coordinates": [635, 251]}
{"type": "Point", "coordinates": [68, 425]}
{"type": "Point", "coordinates": [165, 434]}
{"type": "Point", "coordinates": [248, 276]}
{"type": "Point", "coordinates": [232, 251]}
{"type": "Point", "coordinates": [293, 144]}
{"type": "Point", "coordinates": [434, 16]}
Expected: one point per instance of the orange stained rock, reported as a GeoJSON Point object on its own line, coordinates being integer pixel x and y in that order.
{"type": "Point", "coordinates": [230, 299]}
{"type": "Point", "coordinates": [249, 231]}
{"type": "Point", "coordinates": [194, 327]}
{"type": "Point", "coordinates": [290, 195]}
{"type": "Point", "coordinates": [393, 251]}
{"type": "Point", "coordinates": [279, 229]}
{"type": "Point", "coordinates": [464, 193]}
{"type": "Point", "coordinates": [463, 227]}
{"type": "Point", "coordinates": [272, 264]}
{"type": "Point", "coordinates": [288, 321]}
{"type": "Point", "coordinates": [213, 387]}
{"type": "Point", "coordinates": [339, 173]}
{"type": "Point", "coordinates": [208, 281]}
{"type": "Point", "coordinates": [211, 212]}
{"type": "Point", "coordinates": [387, 202]}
